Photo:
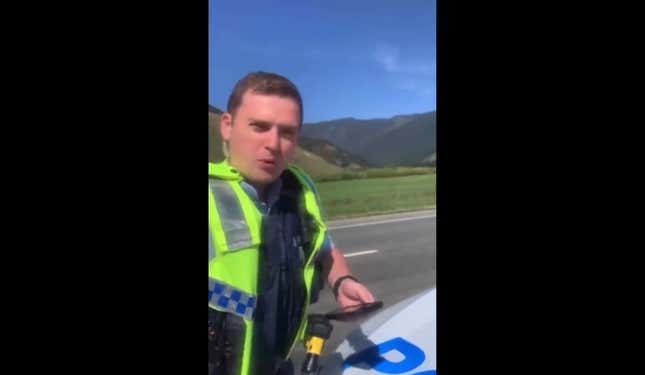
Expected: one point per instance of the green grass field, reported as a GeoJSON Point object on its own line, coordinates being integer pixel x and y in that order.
{"type": "Point", "coordinates": [347, 198]}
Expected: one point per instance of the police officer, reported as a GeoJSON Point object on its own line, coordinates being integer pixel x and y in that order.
{"type": "Point", "coordinates": [269, 251]}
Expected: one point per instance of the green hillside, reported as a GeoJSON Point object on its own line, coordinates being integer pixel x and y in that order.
{"type": "Point", "coordinates": [400, 140]}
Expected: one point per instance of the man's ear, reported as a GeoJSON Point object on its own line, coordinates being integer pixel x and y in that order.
{"type": "Point", "coordinates": [225, 125]}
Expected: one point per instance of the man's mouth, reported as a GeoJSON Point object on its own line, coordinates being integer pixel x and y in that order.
{"type": "Point", "coordinates": [267, 162]}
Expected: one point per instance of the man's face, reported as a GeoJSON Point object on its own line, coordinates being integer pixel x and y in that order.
{"type": "Point", "coordinates": [262, 136]}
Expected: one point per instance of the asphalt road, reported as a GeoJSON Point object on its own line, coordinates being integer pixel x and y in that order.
{"type": "Point", "coordinates": [393, 255]}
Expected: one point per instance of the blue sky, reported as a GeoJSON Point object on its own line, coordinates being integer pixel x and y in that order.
{"type": "Point", "coordinates": [351, 58]}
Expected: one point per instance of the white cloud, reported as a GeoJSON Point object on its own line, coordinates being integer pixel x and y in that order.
{"type": "Point", "coordinates": [412, 76]}
{"type": "Point", "coordinates": [388, 57]}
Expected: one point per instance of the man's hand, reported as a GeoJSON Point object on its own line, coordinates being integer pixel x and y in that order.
{"type": "Point", "coordinates": [351, 292]}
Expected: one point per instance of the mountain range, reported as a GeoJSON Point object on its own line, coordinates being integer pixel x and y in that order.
{"type": "Point", "coordinates": [330, 147]}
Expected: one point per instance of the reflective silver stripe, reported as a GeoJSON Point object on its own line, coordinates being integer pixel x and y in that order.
{"type": "Point", "coordinates": [230, 299]}
{"type": "Point", "coordinates": [211, 249]}
{"type": "Point", "coordinates": [231, 216]}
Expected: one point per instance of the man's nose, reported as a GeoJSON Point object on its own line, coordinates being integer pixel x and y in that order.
{"type": "Point", "coordinates": [273, 140]}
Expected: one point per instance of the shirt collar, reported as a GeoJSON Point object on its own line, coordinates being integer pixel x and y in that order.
{"type": "Point", "coordinates": [273, 192]}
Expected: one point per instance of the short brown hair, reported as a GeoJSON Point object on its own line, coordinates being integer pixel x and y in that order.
{"type": "Point", "coordinates": [263, 83]}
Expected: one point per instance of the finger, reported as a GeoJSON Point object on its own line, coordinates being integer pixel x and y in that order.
{"type": "Point", "coordinates": [366, 296]}
{"type": "Point", "coordinates": [360, 293]}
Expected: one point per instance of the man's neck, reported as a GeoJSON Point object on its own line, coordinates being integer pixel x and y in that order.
{"type": "Point", "coordinates": [261, 189]}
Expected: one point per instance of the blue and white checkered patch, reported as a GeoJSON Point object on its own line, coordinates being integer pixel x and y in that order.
{"type": "Point", "coordinates": [230, 299]}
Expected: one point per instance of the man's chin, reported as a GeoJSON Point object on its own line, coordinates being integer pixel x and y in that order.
{"type": "Point", "coordinates": [265, 177]}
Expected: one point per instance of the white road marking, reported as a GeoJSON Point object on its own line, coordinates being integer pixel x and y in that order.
{"type": "Point", "coordinates": [347, 255]}
{"type": "Point", "coordinates": [381, 222]}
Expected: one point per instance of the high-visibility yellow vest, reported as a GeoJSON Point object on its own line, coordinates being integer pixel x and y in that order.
{"type": "Point", "coordinates": [234, 224]}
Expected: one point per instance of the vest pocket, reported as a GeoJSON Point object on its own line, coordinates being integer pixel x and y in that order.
{"type": "Point", "coordinates": [225, 342]}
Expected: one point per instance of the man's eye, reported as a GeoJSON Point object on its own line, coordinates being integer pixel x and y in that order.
{"type": "Point", "coordinates": [288, 134]}
{"type": "Point", "coordinates": [259, 127]}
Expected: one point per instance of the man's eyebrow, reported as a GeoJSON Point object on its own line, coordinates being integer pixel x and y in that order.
{"type": "Point", "coordinates": [259, 122]}
{"type": "Point", "coordinates": [253, 121]}
{"type": "Point", "coordinates": [286, 127]}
